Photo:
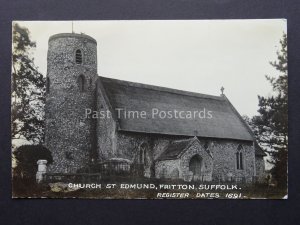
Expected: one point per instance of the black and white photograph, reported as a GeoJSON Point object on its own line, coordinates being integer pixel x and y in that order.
{"type": "Point", "coordinates": [150, 109]}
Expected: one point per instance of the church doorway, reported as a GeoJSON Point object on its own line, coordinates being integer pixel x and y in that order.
{"type": "Point", "coordinates": [195, 165]}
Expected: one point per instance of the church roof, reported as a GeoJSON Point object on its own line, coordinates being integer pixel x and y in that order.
{"type": "Point", "coordinates": [72, 35]}
{"type": "Point", "coordinates": [176, 148]}
{"type": "Point", "coordinates": [225, 122]}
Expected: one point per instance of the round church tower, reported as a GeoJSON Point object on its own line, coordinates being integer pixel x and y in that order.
{"type": "Point", "coordinates": [70, 86]}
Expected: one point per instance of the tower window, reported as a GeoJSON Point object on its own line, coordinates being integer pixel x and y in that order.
{"type": "Point", "coordinates": [78, 57]}
{"type": "Point", "coordinates": [81, 83]}
{"type": "Point", "coordinates": [47, 85]}
{"type": "Point", "coordinates": [239, 158]}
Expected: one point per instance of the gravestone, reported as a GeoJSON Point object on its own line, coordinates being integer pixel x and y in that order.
{"type": "Point", "coordinates": [42, 169]}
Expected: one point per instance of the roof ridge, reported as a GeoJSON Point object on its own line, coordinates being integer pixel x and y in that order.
{"type": "Point", "coordinates": [164, 89]}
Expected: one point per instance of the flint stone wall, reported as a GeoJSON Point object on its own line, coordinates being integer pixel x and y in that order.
{"type": "Point", "coordinates": [225, 168]}
{"type": "Point", "coordinates": [129, 146]}
{"type": "Point", "coordinates": [260, 169]}
{"type": "Point", "coordinates": [168, 169]}
{"type": "Point", "coordinates": [106, 131]}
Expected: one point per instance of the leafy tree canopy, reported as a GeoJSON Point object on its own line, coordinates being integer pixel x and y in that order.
{"type": "Point", "coordinates": [271, 124]}
{"type": "Point", "coordinates": [28, 89]}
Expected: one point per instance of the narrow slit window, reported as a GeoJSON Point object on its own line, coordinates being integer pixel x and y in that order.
{"type": "Point", "coordinates": [239, 158]}
{"type": "Point", "coordinates": [141, 156]}
{"type": "Point", "coordinates": [145, 156]}
{"type": "Point", "coordinates": [241, 161]}
{"type": "Point", "coordinates": [81, 83]}
{"type": "Point", "coordinates": [78, 57]}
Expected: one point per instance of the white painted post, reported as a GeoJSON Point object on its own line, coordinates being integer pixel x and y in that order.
{"type": "Point", "coordinates": [42, 169]}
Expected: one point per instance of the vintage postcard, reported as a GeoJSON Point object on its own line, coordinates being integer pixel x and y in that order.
{"type": "Point", "coordinates": [185, 109]}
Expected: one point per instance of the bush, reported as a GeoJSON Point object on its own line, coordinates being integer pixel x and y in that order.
{"type": "Point", "coordinates": [26, 158]}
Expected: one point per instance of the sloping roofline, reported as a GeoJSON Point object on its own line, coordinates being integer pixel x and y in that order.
{"type": "Point", "coordinates": [222, 98]}
{"type": "Point", "coordinates": [70, 35]}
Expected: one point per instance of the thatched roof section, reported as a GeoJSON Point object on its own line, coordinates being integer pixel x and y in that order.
{"type": "Point", "coordinates": [225, 122]}
{"type": "Point", "coordinates": [176, 148]}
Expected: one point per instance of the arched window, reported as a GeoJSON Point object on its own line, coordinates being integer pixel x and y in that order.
{"type": "Point", "coordinates": [78, 57]}
{"type": "Point", "coordinates": [239, 158]}
{"type": "Point", "coordinates": [81, 83]}
{"type": "Point", "coordinates": [143, 154]}
{"type": "Point", "coordinates": [48, 85]}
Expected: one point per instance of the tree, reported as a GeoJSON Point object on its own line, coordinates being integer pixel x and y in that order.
{"type": "Point", "coordinates": [27, 156]}
{"type": "Point", "coordinates": [271, 125]}
{"type": "Point", "coordinates": [28, 89]}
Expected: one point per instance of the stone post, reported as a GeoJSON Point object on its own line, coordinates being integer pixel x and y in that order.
{"type": "Point", "coordinates": [42, 169]}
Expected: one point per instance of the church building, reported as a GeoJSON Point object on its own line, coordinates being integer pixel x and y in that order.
{"type": "Point", "coordinates": [165, 133]}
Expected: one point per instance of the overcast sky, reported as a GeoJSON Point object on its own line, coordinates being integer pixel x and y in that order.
{"type": "Point", "coordinates": [192, 55]}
